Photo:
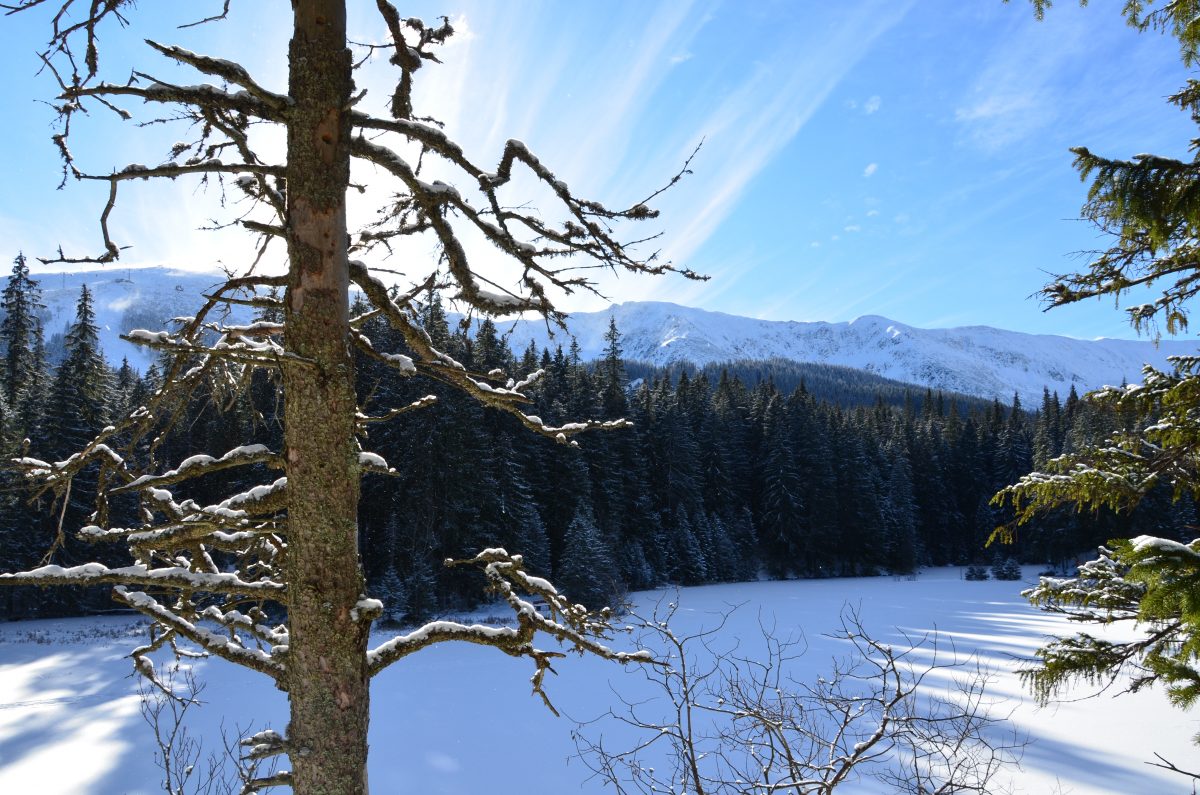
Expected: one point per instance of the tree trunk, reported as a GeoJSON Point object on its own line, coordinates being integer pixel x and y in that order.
{"type": "Point", "coordinates": [326, 678]}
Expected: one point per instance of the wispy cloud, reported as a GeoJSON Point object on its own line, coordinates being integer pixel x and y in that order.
{"type": "Point", "coordinates": [870, 169]}
{"type": "Point", "coordinates": [755, 121]}
{"type": "Point", "coordinates": [1018, 91]}
{"type": "Point", "coordinates": [872, 105]}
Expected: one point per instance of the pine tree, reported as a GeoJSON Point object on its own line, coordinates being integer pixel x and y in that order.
{"type": "Point", "coordinates": [80, 394]}
{"type": "Point", "coordinates": [24, 353]}
{"type": "Point", "coordinates": [22, 402]}
{"type": "Point", "coordinates": [391, 590]}
{"type": "Point", "coordinates": [787, 546]}
{"type": "Point", "coordinates": [727, 469]}
{"type": "Point", "coordinates": [587, 573]}
{"type": "Point", "coordinates": [1146, 204]}
{"type": "Point", "coordinates": [900, 546]}
{"type": "Point", "coordinates": [1048, 430]}
{"type": "Point", "coordinates": [689, 564]}
{"type": "Point", "coordinates": [860, 512]}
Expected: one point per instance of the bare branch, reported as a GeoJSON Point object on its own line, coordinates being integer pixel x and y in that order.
{"type": "Point", "coordinates": [226, 70]}
{"type": "Point", "coordinates": [733, 722]}
{"type": "Point", "coordinates": [568, 623]}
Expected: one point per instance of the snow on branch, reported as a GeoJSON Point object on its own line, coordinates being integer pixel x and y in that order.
{"type": "Point", "coordinates": [173, 170]}
{"type": "Point", "coordinates": [570, 624]}
{"type": "Point", "coordinates": [391, 414]}
{"type": "Point", "coordinates": [440, 366]}
{"type": "Point", "coordinates": [374, 464]}
{"type": "Point", "coordinates": [172, 577]}
{"type": "Point", "coordinates": [233, 346]}
{"type": "Point", "coordinates": [410, 57]}
{"type": "Point", "coordinates": [225, 646]}
{"type": "Point", "coordinates": [68, 21]}
{"type": "Point", "coordinates": [194, 530]}
{"type": "Point", "coordinates": [425, 208]}
{"type": "Point", "coordinates": [583, 236]}
{"type": "Point", "coordinates": [281, 778]}
{"type": "Point", "coordinates": [266, 498]}
{"type": "Point", "coordinates": [397, 361]}
{"type": "Point", "coordinates": [199, 95]}
{"type": "Point", "coordinates": [197, 465]}
{"type": "Point", "coordinates": [213, 111]}
{"type": "Point", "coordinates": [226, 70]}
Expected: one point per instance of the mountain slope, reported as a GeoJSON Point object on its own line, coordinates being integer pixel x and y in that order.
{"type": "Point", "coordinates": [975, 360]}
{"type": "Point", "coordinates": [124, 299]}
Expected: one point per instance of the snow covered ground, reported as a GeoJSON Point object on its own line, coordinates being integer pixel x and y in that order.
{"type": "Point", "coordinates": [459, 719]}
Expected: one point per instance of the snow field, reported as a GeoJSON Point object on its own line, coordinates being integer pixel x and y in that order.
{"type": "Point", "coordinates": [460, 719]}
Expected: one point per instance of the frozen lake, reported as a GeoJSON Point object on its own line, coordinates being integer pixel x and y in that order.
{"type": "Point", "coordinates": [460, 719]}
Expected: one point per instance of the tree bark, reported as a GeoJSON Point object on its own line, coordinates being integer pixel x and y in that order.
{"type": "Point", "coordinates": [327, 679]}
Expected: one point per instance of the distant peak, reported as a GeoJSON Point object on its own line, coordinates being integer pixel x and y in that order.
{"type": "Point", "coordinates": [875, 320]}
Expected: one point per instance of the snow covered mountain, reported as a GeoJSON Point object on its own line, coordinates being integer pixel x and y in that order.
{"type": "Point", "coordinates": [123, 299]}
{"type": "Point", "coordinates": [975, 360]}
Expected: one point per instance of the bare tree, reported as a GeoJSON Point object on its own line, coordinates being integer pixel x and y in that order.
{"type": "Point", "coordinates": [180, 755]}
{"type": "Point", "coordinates": [724, 721]}
{"type": "Point", "coordinates": [208, 574]}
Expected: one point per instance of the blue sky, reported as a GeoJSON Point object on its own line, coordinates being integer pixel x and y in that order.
{"type": "Point", "coordinates": [906, 159]}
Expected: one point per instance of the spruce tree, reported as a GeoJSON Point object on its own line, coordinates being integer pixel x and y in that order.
{"type": "Point", "coordinates": [24, 353]}
{"type": "Point", "coordinates": [80, 394]}
{"type": "Point", "coordinates": [900, 546]}
{"type": "Point", "coordinates": [586, 572]}
{"type": "Point", "coordinates": [786, 545]}
{"type": "Point", "coordinates": [1147, 205]}
{"type": "Point", "coordinates": [612, 374]}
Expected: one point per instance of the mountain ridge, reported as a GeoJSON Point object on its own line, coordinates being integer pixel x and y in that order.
{"type": "Point", "coordinates": [974, 360]}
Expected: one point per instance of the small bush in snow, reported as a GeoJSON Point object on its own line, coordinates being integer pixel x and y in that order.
{"type": "Point", "coordinates": [1007, 569]}
{"type": "Point", "coordinates": [976, 573]}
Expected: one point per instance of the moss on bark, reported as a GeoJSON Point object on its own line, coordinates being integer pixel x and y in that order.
{"type": "Point", "coordinates": [327, 679]}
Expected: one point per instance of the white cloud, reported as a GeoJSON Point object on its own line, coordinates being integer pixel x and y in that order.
{"type": "Point", "coordinates": [873, 104]}
{"type": "Point", "coordinates": [870, 169]}
{"type": "Point", "coordinates": [814, 244]}
{"type": "Point", "coordinates": [902, 218]}
{"type": "Point", "coordinates": [852, 228]}
{"type": "Point", "coordinates": [680, 58]}
{"type": "Point", "coordinates": [872, 213]}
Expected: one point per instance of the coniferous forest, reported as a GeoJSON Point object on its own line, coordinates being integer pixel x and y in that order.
{"type": "Point", "coordinates": [727, 474]}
